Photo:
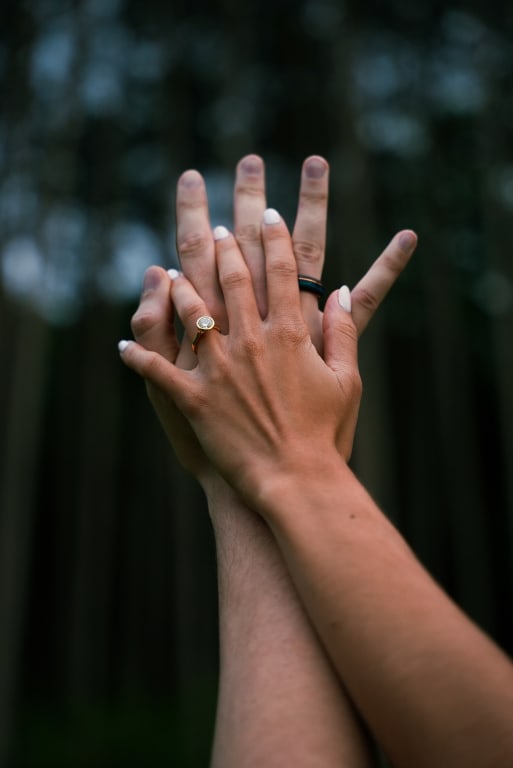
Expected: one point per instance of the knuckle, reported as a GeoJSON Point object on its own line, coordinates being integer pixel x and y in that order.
{"type": "Point", "coordinates": [191, 312]}
{"type": "Point", "coordinates": [314, 195]}
{"type": "Point", "coordinates": [365, 299]}
{"type": "Point", "coordinates": [251, 347]}
{"type": "Point", "coordinates": [251, 189]}
{"type": "Point", "coordinates": [394, 262]}
{"type": "Point", "coordinates": [348, 333]}
{"type": "Point", "coordinates": [221, 371]}
{"type": "Point", "coordinates": [308, 251]}
{"type": "Point", "coordinates": [234, 278]}
{"type": "Point", "coordinates": [289, 334]}
{"type": "Point", "coordinates": [282, 268]}
{"type": "Point", "coordinates": [192, 244]}
{"type": "Point", "coordinates": [195, 405]}
{"type": "Point", "coordinates": [143, 321]}
{"type": "Point", "coordinates": [249, 233]}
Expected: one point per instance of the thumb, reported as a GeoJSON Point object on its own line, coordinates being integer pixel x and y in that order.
{"type": "Point", "coordinates": [340, 334]}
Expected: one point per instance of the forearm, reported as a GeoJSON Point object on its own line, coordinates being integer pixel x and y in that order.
{"type": "Point", "coordinates": [280, 703]}
{"type": "Point", "coordinates": [433, 688]}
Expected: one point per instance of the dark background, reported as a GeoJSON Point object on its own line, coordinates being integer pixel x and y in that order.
{"type": "Point", "coordinates": [108, 637]}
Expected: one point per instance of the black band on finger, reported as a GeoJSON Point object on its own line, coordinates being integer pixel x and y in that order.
{"type": "Point", "coordinates": [311, 285]}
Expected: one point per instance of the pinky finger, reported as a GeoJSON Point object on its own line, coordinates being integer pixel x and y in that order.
{"type": "Point", "coordinates": [368, 294]}
{"type": "Point", "coordinates": [154, 368]}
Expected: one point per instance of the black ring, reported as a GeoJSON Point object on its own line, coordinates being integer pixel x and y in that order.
{"type": "Point", "coordinates": [310, 284]}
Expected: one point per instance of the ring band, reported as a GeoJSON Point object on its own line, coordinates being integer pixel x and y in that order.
{"type": "Point", "coordinates": [203, 324]}
{"type": "Point", "coordinates": [311, 285]}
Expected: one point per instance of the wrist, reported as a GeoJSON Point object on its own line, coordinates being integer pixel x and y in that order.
{"type": "Point", "coordinates": [324, 493]}
{"type": "Point", "coordinates": [299, 483]}
{"type": "Point", "coordinates": [228, 512]}
{"type": "Point", "coordinates": [215, 487]}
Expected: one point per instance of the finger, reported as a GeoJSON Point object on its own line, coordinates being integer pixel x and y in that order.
{"type": "Point", "coordinates": [281, 269]}
{"type": "Point", "coordinates": [152, 323]}
{"type": "Point", "coordinates": [368, 294]}
{"type": "Point", "coordinates": [153, 328]}
{"type": "Point", "coordinates": [248, 206]}
{"type": "Point", "coordinates": [236, 283]}
{"type": "Point", "coordinates": [159, 372]}
{"type": "Point", "coordinates": [190, 307]}
{"type": "Point", "coordinates": [341, 355]}
{"type": "Point", "coordinates": [195, 242]}
{"type": "Point", "coordinates": [340, 336]}
{"type": "Point", "coordinates": [309, 238]}
{"type": "Point", "coordinates": [196, 251]}
{"type": "Point", "coordinates": [309, 234]}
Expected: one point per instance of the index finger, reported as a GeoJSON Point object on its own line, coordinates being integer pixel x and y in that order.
{"type": "Point", "coordinates": [368, 294]}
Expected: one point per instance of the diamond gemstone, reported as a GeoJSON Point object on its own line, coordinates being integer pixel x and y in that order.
{"type": "Point", "coordinates": [205, 323]}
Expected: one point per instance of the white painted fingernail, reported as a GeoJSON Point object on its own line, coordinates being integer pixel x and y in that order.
{"type": "Point", "coordinates": [122, 345]}
{"type": "Point", "coordinates": [271, 216]}
{"type": "Point", "coordinates": [344, 298]}
{"type": "Point", "coordinates": [173, 274]}
{"type": "Point", "coordinates": [220, 233]}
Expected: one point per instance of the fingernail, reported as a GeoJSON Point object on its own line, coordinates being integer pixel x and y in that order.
{"type": "Point", "coordinates": [344, 298]}
{"type": "Point", "coordinates": [271, 216]}
{"type": "Point", "coordinates": [220, 233]}
{"type": "Point", "coordinates": [315, 168]}
{"type": "Point", "coordinates": [122, 345]}
{"type": "Point", "coordinates": [251, 165]}
{"type": "Point", "coordinates": [191, 179]}
{"type": "Point", "coordinates": [407, 241]}
{"type": "Point", "coordinates": [151, 280]}
{"type": "Point", "coordinates": [173, 274]}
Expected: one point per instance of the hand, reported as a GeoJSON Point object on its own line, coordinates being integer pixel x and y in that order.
{"type": "Point", "coordinates": [246, 398]}
{"type": "Point", "coordinates": [153, 322]}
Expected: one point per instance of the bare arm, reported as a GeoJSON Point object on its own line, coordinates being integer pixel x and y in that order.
{"type": "Point", "coordinates": [278, 423]}
{"type": "Point", "coordinates": [432, 687]}
{"type": "Point", "coordinates": [279, 701]}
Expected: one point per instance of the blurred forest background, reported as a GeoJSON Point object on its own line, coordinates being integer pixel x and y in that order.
{"type": "Point", "coordinates": [108, 636]}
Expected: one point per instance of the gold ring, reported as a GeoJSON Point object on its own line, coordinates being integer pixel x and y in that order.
{"type": "Point", "coordinates": [203, 324]}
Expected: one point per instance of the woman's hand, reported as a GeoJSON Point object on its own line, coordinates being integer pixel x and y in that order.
{"type": "Point", "coordinates": [152, 324]}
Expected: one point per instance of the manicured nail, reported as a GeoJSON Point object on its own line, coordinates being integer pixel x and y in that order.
{"type": "Point", "coordinates": [122, 345]}
{"type": "Point", "coordinates": [344, 298]}
{"type": "Point", "coordinates": [271, 216]}
{"type": "Point", "coordinates": [173, 274]}
{"type": "Point", "coordinates": [151, 280]}
{"type": "Point", "coordinates": [315, 168]}
{"type": "Point", "coordinates": [407, 241]}
{"type": "Point", "coordinates": [220, 233]}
